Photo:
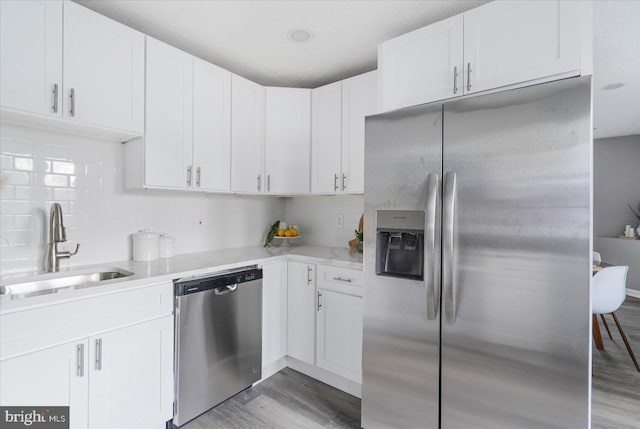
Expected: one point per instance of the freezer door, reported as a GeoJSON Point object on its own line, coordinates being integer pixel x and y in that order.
{"type": "Point", "coordinates": [403, 162]}
{"type": "Point", "coordinates": [516, 261]}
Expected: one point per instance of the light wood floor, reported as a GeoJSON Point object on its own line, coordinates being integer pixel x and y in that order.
{"type": "Point", "coordinates": [289, 399]}
{"type": "Point", "coordinates": [615, 402]}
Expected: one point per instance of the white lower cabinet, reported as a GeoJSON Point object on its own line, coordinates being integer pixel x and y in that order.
{"type": "Point", "coordinates": [51, 377]}
{"type": "Point", "coordinates": [274, 314]}
{"type": "Point", "coordinates": [116, 373]}
{"type": "Point", "coordinates": [301, 294]}
{"type": "Point", "coordinates": [339, 322]}
{"type": "Point", "coordinates": [127, 372]}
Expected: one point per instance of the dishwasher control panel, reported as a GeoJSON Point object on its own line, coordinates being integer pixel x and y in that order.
{"type": "Point", "coordinates": [215, 281]}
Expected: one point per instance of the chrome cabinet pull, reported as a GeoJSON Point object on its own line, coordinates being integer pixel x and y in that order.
{"type": "Point", "coordinates": [54, 107]}
{"type": "Point", "coordinates": [99, 354]}
{"type": "Point", "coordinates": [259, 182]}
{"type": "Point", "coordinates": [340, 279]}
{"type": "Point", "coordinates": [455, 80]}
{"type": "Point", "coordinates": [468, 76]}
{"type": "Point", "coordinates": [198, 177]}
{"type": "Point", "coordinates": [344, 178]}
{"type": "Point", "coordinates": [335, 182]}
{"type": "Point", "coordinates": [80, 358]}
{"type": "Point", "coordinates": [72, 105]}
{"type": "Point", "coordinates": [319, 303]}
{"type": "Point", "coordinates": [189, 176]}
{"type": "Point", "coordinates": [430, 245]}
{"type": "Point", "coordinates": [448, 215]}
{"type": "Point", "coordinates": [309, 279]}
{"type": "Point", "coordinates": [268, 182]}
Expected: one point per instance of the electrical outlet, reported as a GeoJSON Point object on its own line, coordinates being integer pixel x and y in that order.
{"type": "Point", "coordinates": [339, 221]}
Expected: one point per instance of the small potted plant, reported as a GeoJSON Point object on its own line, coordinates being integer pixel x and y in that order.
{"type": "Point", "coordinates": [360, 237]}
{"type": "Point", "coordinates": [636, 213]}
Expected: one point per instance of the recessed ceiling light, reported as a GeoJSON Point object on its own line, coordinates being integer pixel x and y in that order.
{"type": "Point", "coordinates": [299, 35]}
{"type": "Point", "coordinates": [612, 86]}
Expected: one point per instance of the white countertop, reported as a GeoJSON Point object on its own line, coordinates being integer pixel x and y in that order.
{"type": "Point", "coordinates": [183, 265]}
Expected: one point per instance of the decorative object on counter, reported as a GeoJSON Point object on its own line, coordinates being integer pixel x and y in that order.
{"type": "Point", "coordinates": [636, 213]}
{"type": "Point", "coordinates": [273, 230]}
{"type": "Point", "coordinates": [167, 246]}
{"type": "Point", "coordinates": [146, 245]}
{"type": "Point", "coordinates": [285, 233]}
{"type": "Point", "coordinates": [356, 243]}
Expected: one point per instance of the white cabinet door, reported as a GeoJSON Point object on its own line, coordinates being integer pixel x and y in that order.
{"type": "Point", "coordinates": [169, 112]}
{"type": "Point", "coordinates": [288, 140]}
{"type": "Point", "coordinates": [359, 99]}
{"type": "Point", "coordinates": [103, 71]}
{"type": "Point", "coordinates": [421, 66]}
{"type": "Point", "coordinates": [31, 56]}
{"type": "Point", "coordinates": [131, 375]}
{"type": "Point", "coordinates": [211, 126]}
{"type": "Point", "coordinates": [339, 334]}
{"type": "Point", "coordinates": [511, 42]}
{"type": "Point", "coordinates": [301, 310]}
{"type": "Point", "coordinates": [274, 312]}
{"type": "Point", "coordinates": [57, 376]}
{"type": "Point", "coordinates": [247, 135]}
{"type": "Point", "coordinates": [326, 138]}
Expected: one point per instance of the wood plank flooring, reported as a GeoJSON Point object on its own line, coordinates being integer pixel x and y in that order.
{"type": "Point", "coordinates": [290, 399]}
{"type": "Point", "coordinates": [615, 400]}
{"type": "Point", "coordinates": [287, 399]}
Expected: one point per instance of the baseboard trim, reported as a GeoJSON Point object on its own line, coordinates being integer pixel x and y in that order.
{"type": "Point", "coordinates": [341, 383]}
{"type": "Point", "coordinates": [634, 293]}
{"type": "Point", "coordinates": [272, 368]}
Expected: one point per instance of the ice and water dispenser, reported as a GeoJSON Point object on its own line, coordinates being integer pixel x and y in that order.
{"type": "Point", "coordinates": [400, 243]}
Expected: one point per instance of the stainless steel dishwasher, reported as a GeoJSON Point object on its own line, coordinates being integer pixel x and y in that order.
{"type": "Point", "coordinates": [218, 339]}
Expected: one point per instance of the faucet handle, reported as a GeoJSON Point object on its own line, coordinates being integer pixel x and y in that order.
{"type": "Point", "coordinates": [75, 251]}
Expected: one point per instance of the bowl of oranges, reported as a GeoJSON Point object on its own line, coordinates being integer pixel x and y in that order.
{"type": "Point", "coordinates": [286, 234]}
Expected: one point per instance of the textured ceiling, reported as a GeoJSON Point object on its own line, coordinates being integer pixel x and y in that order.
{"type": "Point", "coordinates": [250, 38]}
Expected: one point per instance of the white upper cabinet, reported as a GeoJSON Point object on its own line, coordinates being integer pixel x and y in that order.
{"type": "Point", "coordinates": [359, 99]}
{"type": "Point", "coordinates": [288, 140]}
{"type": "Point", "coordinates": [326, 138]}
{"type": "Point", "coordinates": [31, 56]}
{"type": "Point", "coordinates": [169, 112]}
{"type": "Point", "coordinates": [499, 44]}
{"type": "Point", "coordinates": [103, 71]}
{"type": "Point", "coordinates": [211, 127]}
{"type": "Point", "coordinates": [507, 42]}
{"type": "Point", "coordinates": [337, 155]}
{"type": "Point", "coordinates": [422, 66]}
{"type": "Point", "coordinates": [247, 135]}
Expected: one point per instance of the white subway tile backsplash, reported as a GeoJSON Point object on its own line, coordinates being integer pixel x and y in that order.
{"type": "Point", "coordinates": [85, 176]}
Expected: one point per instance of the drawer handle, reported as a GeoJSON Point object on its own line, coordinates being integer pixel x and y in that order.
{"type": "Point", "coordinates": [340, 279]}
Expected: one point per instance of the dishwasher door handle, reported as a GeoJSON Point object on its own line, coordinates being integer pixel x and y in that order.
{"type": "Point", "coordinates": [225, 289]}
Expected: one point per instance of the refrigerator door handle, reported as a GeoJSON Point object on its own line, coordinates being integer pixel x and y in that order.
{"type": "Point", "coordinates": [430, 244]}
{"type": "Point", "coordinates": [448, 213]}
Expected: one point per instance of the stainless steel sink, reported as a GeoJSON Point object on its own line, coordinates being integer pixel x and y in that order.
{"type": "Point", "coordinates": [50, 283]}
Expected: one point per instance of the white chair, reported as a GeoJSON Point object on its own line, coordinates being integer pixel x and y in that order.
{"type": "Point", "coordinates": [608, 291]}
{"type": "Point", "coordinates": [596, 257]}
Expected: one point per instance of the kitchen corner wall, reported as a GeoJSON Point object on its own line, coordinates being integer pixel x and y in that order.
{"type": "Point", "coordinates": [316, 217]}
{"type": "Point", "coordinates": [85, 175]}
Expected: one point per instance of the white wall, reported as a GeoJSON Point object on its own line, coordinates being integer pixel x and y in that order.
{"type": "Point", "coordinates": [616, 183]}
{"type": "Point", "coordinates": [85, 175]}
{"type": "Point", "coordinates": [316, 217]}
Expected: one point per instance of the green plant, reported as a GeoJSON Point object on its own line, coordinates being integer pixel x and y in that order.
{"type": "Point", "coordinates": [273, 229]}
{"type": "Point", "coordinates": [359, 234]}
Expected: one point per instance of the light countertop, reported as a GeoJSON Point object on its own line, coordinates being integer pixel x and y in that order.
{"type": "Point", "coordinates": [183, 265]}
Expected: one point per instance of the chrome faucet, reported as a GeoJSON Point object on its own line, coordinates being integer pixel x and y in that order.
{"type": "Point", "coordinates": [57, 234]}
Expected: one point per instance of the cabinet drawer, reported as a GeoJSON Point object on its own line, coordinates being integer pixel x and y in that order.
{"type": "Point", "coordinates": [345, 280]}
{"type": "Point", "coordinates": [34, 329]}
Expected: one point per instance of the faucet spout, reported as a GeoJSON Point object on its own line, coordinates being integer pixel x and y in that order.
{"type": "Point", "coordinates": [57, 234]}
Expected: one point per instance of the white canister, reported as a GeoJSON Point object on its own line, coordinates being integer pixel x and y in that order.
{"type": "Point", "coordinates": [145, 245]}
{"type": "Point", "coordinates": [167, 246]}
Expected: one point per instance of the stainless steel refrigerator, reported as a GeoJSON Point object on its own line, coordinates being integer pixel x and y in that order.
{"type": "Point", "coordinates": [477, 262]}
